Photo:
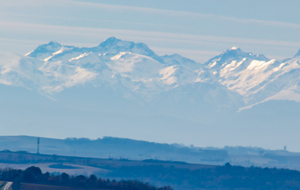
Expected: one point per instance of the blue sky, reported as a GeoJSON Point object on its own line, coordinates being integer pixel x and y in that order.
{"type": "Point", "coordinates": [198, 29]}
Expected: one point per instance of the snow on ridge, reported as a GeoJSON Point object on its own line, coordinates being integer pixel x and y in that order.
{"type": "Point", "coordinates": [55, 53]}
{"type": "Point", "coordinates": [256, 64]}
{"type": "Point", "coordinates": [247, 79]}
{"type": "Point", "coordinates": [212, 65]}
{"type": "Point", "coordinates": [80, 77]}
{"type": "Point", "coordinates": [279, 67]}
{"type": "Point", "coordinates": [118, 56]}
{"type": "Point", "coordinates": [121, 65]}
{"type": "Point", "coordinates": [167, 73]}
{"type": "Point", "coordinates": [29, 53]}
{"type": "Point", "coordinates": [231, 67]}
{"type": "Point", "coordinates": [78, 57]}
{"type": "Point", "coordinates": [73, 75]}
{"type": "Point", "coordinates": [46, 78]}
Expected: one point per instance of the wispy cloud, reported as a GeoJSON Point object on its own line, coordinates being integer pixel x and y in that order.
{"type": "Point", "coordinates": [69, 18]}
{"type": "Point", "coordinates": [141, 10]}
{"type": "Point", "coordinates": [182, 14]}
{"type": "Point", "coordinates": [161, 36]}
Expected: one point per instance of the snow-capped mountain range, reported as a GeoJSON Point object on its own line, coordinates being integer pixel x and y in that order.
{"type": "Point", "coordinates": [124, 89]}
{"type": "Point", "coordinates": [137, 71]}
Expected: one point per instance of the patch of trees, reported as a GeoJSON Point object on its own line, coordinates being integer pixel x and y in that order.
{"type": "Point", "coordinates": [218, 177]}
{"type": "Point", "coordinates": [34, 175]}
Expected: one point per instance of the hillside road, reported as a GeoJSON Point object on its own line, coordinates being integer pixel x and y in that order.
{"type": "Point", "coordinates": [7, 185]}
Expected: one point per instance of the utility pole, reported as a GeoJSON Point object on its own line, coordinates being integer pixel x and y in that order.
{"type": "Point", "coordinates": [38, 145]}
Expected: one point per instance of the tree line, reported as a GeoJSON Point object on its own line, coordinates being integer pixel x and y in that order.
{"type": "Point", "coordinates": [34, 175]}
{"type": "Point", "coordinates": [214, 177]}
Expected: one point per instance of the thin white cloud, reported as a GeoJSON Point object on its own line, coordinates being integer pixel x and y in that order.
{"type": "Point", "coordinates": [182, 14]}
{"type": "Point", "coordinates": [22, 41]}
{"type": "Point", "coordinates": [141, 10]}
{"type": "Point", "coordinates": [46, 30]}
{"type": "Point", "coordinates": [33, 16]}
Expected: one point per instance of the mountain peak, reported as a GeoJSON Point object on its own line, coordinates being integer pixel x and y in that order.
{"type": "Point", "coordinates": [110, 40]}
{"type": "Point", "coordinates": [235, 48]}
{"type": "Point", "coordinates": [237, 52]}
{"type": "Point", "coordinates": [114, 43]}
{"type": "Point", "coordinates": [234, 51]}
{"type": "Point", "coordinates": [43, 50]}
{"type": "Point", "coordinates": [53, 43]}
{"type": "Point", "coordinates": [297, 54]}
